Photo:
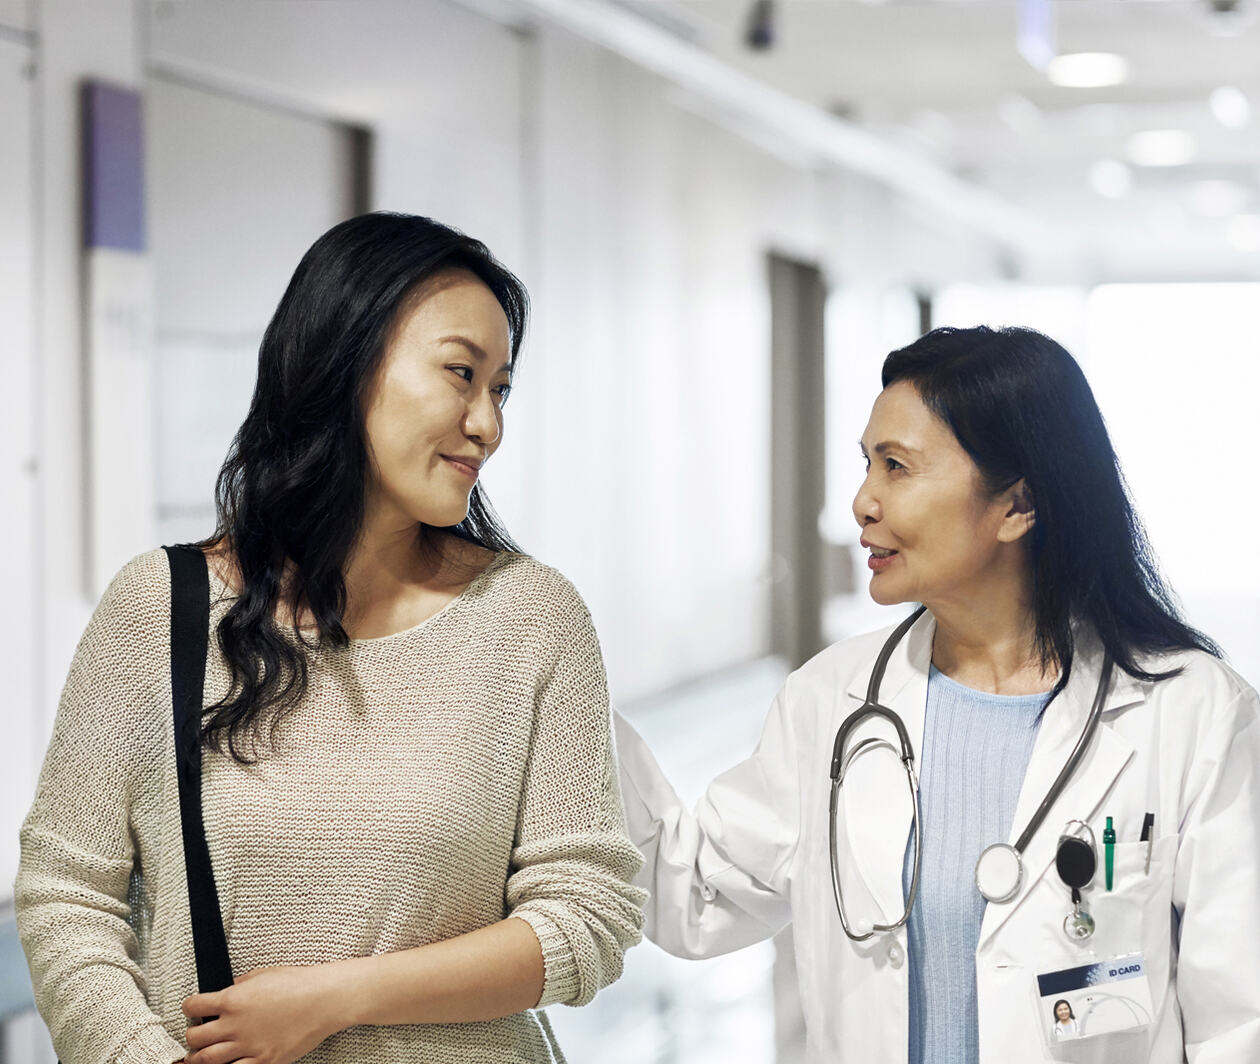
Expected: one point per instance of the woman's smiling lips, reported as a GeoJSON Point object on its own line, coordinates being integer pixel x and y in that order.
{"type": "Point", "coordinates": [881, 557]}
{"type": "Point", "coordinates": [468, 466]}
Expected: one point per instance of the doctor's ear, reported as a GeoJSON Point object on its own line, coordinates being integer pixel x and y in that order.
{"type": "Point", "coordinates": [1020, 514]}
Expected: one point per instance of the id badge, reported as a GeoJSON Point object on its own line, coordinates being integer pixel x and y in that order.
{"type": "Point", "coordinates": [1104, 998]}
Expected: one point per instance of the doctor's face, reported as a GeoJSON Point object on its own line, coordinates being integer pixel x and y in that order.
{"type": "Point", "coordinates": [931, 529]}
{"type": "Point", "coordinates": [1063, 1011]}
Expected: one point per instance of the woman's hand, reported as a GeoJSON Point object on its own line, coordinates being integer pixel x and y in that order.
{"type": "Point", "coordinates": [270, 1016]}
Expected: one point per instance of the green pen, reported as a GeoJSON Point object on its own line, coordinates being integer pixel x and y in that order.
{"type": "Point", "coordinates": [1109, 850]}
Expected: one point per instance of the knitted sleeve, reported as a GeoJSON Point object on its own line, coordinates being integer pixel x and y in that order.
{"type": "Point", "coordinates": [77, 848]}
{"type": "Point", "coordinates": [572, 861]}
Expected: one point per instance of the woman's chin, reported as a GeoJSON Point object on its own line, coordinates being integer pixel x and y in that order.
{"type": "Point", "coordinates": [442, 516]}
{"type": "Point", "coordinates": [885, 594]}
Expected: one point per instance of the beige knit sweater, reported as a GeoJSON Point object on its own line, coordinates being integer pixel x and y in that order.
{"type": "Point", "coordinates": [430, 783]}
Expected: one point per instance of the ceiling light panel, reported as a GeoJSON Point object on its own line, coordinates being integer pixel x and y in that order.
{"type": "Point", "coordinates": [1088, 70]}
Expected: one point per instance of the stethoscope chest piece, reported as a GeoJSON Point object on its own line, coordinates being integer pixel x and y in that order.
{"type": "Point", "coordinates": [999, 872]}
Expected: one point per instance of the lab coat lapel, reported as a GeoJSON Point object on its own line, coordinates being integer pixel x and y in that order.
{"type": "Point", "coordinates": [1106, 757]}
{"type": "Point", "coordinates": [875, 797]}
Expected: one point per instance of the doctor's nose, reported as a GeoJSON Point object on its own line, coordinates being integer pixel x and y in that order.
{"type": "Point", "coordinates": [865, 506]}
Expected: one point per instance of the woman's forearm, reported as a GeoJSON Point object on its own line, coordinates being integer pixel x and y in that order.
{"type": "Point", "coordinates": [482, 975]}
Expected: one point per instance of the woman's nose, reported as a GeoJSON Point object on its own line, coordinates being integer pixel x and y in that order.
{"type": "Point", "coordinates": [483, 422]}
{"type": "Point", "coordinates": [865, 505]}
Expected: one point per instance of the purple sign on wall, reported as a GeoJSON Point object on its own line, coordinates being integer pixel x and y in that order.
{"type": "Point", "coordinates": [113, 165]}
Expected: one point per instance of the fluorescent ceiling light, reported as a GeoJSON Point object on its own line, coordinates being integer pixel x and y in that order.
{"type": "Point", "coordinates": [1218, 199]}
{"type": "Point", "coordinates": [1243, 232]}
{"type": "Point", "coordinates": [1230, 107]}
{"type": "Point", "coordinates": [1111, 178]}
{"type": "Point", "coordinates": [1088, 70]}
{"type": "Point", "coordinates": [1162, 147]}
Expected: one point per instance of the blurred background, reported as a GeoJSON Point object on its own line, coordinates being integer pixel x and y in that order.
{"type": "Point", "coordinates": [727, 212]}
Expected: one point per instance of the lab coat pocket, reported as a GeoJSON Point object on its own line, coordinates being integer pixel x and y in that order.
{"type": "Point", "coordinates": [1135, 916]}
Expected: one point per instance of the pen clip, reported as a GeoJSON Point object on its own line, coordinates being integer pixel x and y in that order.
{"type": "Point", "coordinates": [1148, 837]}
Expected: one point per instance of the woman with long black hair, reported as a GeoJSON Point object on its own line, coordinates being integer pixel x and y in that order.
{"type": "Point", "coordinates": [1042, 781]}
{"type": "Point", "coordinates": [408, 786]}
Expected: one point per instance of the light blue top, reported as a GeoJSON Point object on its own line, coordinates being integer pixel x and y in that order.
{"type": "Point", "coordinates": [976, 748]}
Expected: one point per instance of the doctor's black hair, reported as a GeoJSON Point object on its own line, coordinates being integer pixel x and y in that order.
{"type": "Point", "coordinates": [1021, 408]}
{"type": "Point", "coordinates": [290, 495]}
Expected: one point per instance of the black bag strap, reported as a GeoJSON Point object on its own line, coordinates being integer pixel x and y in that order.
{"type": "Point", "coordinates": [190, 638]}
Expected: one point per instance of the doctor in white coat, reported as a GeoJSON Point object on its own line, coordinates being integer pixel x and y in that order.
{"type": "Point", "coordinates": [993, 497]}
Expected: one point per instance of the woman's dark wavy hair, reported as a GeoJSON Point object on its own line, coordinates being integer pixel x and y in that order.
{"type": "Point", "coordinates": [1021, 408]}
{"type": "Point", "coordinates": [290, 495]}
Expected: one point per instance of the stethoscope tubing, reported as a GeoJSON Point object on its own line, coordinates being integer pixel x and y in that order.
{"type": "Point", "coordinates": [840, 761]}
{"type": "Point", "coordinates": [1074, 758]}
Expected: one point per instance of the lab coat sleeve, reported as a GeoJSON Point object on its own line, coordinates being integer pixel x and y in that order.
{"type": "Point", "coordinates": [718, 877]}
{"type": "Point", "coordinates": [1217, 891]}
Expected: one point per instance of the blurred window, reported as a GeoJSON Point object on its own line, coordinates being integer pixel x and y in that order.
{"type": "Point", "coordinates": [1176, 369]}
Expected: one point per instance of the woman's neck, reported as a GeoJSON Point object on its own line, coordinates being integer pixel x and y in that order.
{"type": "Point", "coordinates": [991, 645]}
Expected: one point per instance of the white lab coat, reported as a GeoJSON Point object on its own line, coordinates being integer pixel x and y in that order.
{"type": "Point", "coordinates": [754, 856]}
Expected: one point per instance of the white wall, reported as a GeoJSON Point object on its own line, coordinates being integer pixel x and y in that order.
{"type": "Point", "coordinates": [652, 366]}
{"type": "Point", "coordinates": [15, 14]}
{"type": "Point", "coordinates": [75, 40]}
{"type": "Point", "coordinates": [19, 635]}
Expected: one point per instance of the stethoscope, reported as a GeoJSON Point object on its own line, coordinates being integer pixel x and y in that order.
{"type": "Point", "coordinates": [1000, 867]}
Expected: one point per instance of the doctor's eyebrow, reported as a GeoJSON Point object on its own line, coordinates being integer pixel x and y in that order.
{"type": "Point", "coordinates": [476, 350]}
{"type": "Point", "coordinates": [884, 446]}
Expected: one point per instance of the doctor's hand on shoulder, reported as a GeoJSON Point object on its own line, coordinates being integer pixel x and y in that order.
{"type": "Point", "coordinates": [1022, 824]}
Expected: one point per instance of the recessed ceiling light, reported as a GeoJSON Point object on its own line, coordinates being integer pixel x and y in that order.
{"type": "Point", "coordinates": [1088, 70]}
{"type": "Point", "coordinates": [1243, 232]}
{"type": "Point", "coordinates": [1161, 147]}
{"type": "Point", "coordinates": [1218, 199]}
{"type": "Point", "coordinates": [1111, 178]}
{"type": "Point", "coordinates": [1230, 107]}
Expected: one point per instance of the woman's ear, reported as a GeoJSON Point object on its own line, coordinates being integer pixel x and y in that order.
{"type": "Point", "coordinates": [1020, 514]}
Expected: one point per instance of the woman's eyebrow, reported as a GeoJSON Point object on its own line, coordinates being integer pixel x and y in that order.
{"type": "Point", "coordinates": [884, 446]}
{"type": "Point", "coordinates": [474, 349]}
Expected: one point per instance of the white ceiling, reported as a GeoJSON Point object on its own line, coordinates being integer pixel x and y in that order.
{"type": "Point", "coordinates": [947, 77]}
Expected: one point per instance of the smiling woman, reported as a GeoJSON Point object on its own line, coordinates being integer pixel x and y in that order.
{"type": "Point", "coordinates": [408, 788]}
